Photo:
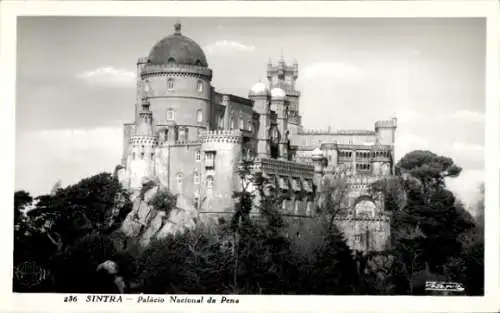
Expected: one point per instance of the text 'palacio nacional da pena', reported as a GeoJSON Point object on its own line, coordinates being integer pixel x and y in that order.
{"type": "Point", "coordinates": [190, 139]}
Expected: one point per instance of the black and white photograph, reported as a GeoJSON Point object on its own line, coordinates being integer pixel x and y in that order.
{"type": "Point", "coordinates": [176, 157]}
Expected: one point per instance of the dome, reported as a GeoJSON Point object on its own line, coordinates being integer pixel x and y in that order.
{"type": "Point", "coordinates": [177, 49]}
{"type": "Point", "coordinates": [278, 93]}
{"type": "Point", "coordinates": [259, 89]}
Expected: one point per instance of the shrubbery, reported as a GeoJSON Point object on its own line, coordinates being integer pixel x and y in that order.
{"type": "Point", "coordinates": [73, 230]}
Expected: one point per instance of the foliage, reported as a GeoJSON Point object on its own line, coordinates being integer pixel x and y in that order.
{"type": "Point", "coordinates": [433, 236]}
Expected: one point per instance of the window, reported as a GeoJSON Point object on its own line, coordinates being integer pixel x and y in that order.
{"type": "Point", "coordinates": [209, 155]}
{"type": "Point", "coordinates": [171, 61]}
{"type": "Point", "coordinates": [250, 126]}
{"type": "Point", "coordinates": [242, 124]}
{"type": "Point", "coordinates": [210, 182]}
{"type": "Point", "coordinates": [152, 156]}
{"type": "Point", "coordinates": [199, 86]}
{"type": "Point", "coordinates": [197, 155]}
{"type": "Point", "coordinates": [231, 124]}
{"type": "Point", "coordinates": [357, 238]}
{"type": "Point", "coordinates": [196, 178]}
{"type": "Point", "coordinates": [142, 155]}
{"type": "Point", "coordinates": [170, 84]}
{"type": "Point", "coordinates": [220, 123]}
{"type": "Point", "coordinates": [182, 134]}
{"type": "Point", "coordinates": [170, 115]}
{"type": "Point", "coordinates": [199, 116]}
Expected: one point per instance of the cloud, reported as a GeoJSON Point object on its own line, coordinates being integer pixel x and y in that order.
{"type": "Point", "coordinates": [407, 142]}
{"type": "Point", "coordinates": [43, 157]}
{"type": "Point", "coordinates": [468, 116]}
{"type": "Point", "coordinates": [332, 69]}
{"type": "Point", "coordinates": [466, 185]}
{"type": "Point", "coordinates": [467, 147]}
{"type": "Point", "coordinates": [224, 47]}
{"type": "Point", "coordinates": [108, 76]}
{"type": "Point", "coordinates": [405, 115]}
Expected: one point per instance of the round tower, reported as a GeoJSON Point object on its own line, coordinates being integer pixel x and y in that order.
{"type": "Point", "coordinates": [142, 147]}
{"type": "Point", "coordinates": [180, 85]}
{"type": "Point", "coordinates": [259, 93]}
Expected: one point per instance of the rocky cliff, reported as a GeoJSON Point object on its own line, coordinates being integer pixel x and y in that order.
{"type": "Point", "coordinates": [145, 222]}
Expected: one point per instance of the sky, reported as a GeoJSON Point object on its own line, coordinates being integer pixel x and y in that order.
{"type": "Point", "coordinates": [76, 83]}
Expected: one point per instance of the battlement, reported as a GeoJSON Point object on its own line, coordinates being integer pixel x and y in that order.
{"type": "Point", "coordinates": [350, 219]}
{"type": "Point", "coordinates": [143, 140]}
{"type": "Point", "coordinates": [222, 135]}
{"type": "Point", "coordinates": [186, 143]}
{"type": "Point", "coordinates": [357, 132]}
{"type": "Point", "coordinates": [175, 69]}
{"type": "Point", "coordinates": [392, 123]}
{"type": "Point", "coordinates": [142, 60]}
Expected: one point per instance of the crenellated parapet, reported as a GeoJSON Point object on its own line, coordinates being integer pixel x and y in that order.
{"type": "Point", "coordinates": [392, 123]}
{"type": "Point", "coordinates": [175, 70]}
{"type": "Point", "coordinates": [143, 140]}
{"type": "Point", "coordinates": [186, 143]}
{"type": "Point", "coordinates": [222, 136]}
{"type": "Point", "coordinates": [317, 131]}
{"type": "Point", "coordinates": [349, 219]}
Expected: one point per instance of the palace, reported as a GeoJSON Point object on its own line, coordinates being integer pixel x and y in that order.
{"type": "Point", "coordinates": [190, 139]}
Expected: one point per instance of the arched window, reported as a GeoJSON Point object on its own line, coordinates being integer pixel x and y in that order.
{"type": "Point", "coordinates": [199, 86]}
{"type": "Point", "coordinates": [170, 84]}
{"type": "Point", "coordinates": [250, 126]}
{"type": "Point", "coordinates": [171, 61]}
{"type": "Point", "coordinates": [242, 124]}
{"type": "Point", "coordinates": [196, 178]}
{"type": "Point", "coordinates": [142, 155]}
{"type": "Point", "coordinates": [199, 116]}
{"type": "Point", "coordinates": [170, 115]}
{"type": "Point", "coordinates": [197, 155]}
{"type": "Point", "coordinates": [179, 178]}
{"type": "Point", "coordinates": [210, 182]}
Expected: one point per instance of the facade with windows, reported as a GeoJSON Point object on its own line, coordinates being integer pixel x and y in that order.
{"type": "Point", "coordinates": [190, 138]}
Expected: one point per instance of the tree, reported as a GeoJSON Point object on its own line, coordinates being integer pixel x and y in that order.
{"type": "Point", "coordinates": [429, 168]}
{"type": "Point", "coordinates": [333, 198]}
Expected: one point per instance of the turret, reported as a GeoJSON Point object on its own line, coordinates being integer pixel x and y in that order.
{"type": "Point", "coordinates": [386, 135]}
{"type": "Point", "coordinates": [386, 131]}
{"type": "Point", "coordinates": [142, 147]}
{"type": "Point", "coordinates": [259, 93]}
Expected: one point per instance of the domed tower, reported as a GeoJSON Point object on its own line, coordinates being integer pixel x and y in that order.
{"type": "Point", "coordinates": [259, 93]}
{"type": "Point", "coordinates": [279, 105]}
{"type": "Point", "coordinates": [180, 89]}
{"type": "Point", "coordinates": [142, 147]}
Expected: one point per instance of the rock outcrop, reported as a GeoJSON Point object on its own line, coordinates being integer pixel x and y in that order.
{"type": "Point", "coordinates": [145, 222]}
